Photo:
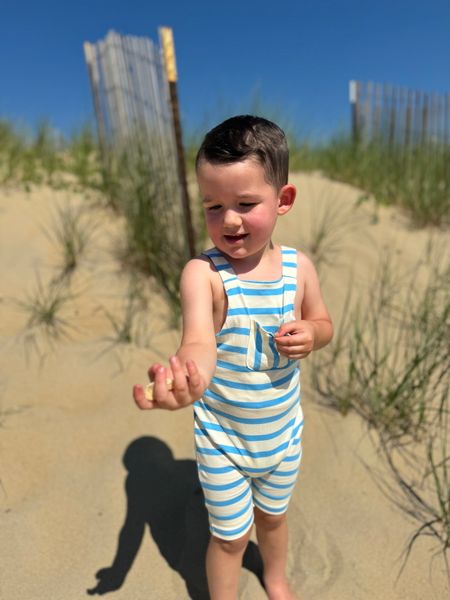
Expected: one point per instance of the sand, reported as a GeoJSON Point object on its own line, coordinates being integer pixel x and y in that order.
{"type": "Point", "coordinates": [89, 482]}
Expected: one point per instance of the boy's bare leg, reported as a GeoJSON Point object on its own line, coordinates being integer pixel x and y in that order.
{"type": "Point", "coordinates": [223, 566]}
{"type": "Point", "coordinates": [272, 535]}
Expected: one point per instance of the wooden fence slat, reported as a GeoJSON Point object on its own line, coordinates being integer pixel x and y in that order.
{"type": "Point", "coordinates": [408, 117]}
{"type": "Point", "coordinates": [447, 119]}
{"type": "Point", "coordinates": [108, 89]}
{"type": "Point", "coordinates": [417, 117]}
{"type": "Point", "coordinates": [400, 116]}
{"type": "Point", "coordinates": [131, 99]}
{"type": "Point", "coordinates": [353, 97]}
{"type": "Point", "coordinates": [377, 114]}
{"type": "Point", "coordinates": [90, 52]}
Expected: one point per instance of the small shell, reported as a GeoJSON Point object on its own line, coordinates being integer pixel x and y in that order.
{"type": "Point", "coordinates": [149, 388]}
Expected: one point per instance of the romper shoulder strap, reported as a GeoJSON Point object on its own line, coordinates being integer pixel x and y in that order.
{"type": "Point", "coordinates": [289, 262]}
{"type": "Point", "coordinates": [222, 266]}
{"type": "Point", "coordinates": [289, 266]}
{"type": "Point", "coordinates": [229, 279]}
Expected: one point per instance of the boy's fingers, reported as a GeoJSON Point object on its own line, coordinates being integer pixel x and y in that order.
{"type": "Point", "coordinates": [180, 384]}
{"type": "Point", "coordinates": [287, 329]}
{"type": "Point", "coordinates": [295, 352]}
{"type": "Point", "coordinates": [152, 371]}
{"type": "Point", "coordinates": [286, 341]}
{"type": "Point", "coordinates": [179, 377]}
{"type": "Point", "coordinates": [160, 391]}
{"type": "Point", "coordinates": [138, 394]}
{"type": "Point", "coordinates": [195, 381]}
{"type": "Point", "coordinates": [140, 399]}
{"type": "Point", "coordinates": [171, 388]}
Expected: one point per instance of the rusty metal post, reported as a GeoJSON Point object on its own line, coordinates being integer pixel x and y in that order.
{"type": "Point", "coordinates": [168, 48]}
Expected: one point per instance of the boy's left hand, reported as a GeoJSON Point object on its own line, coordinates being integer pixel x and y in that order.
{"type": "Point", "coordinates": [295, 339]}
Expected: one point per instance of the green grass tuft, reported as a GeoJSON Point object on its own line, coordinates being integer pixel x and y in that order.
{"type": "Point", "coordinates": [71, 232]}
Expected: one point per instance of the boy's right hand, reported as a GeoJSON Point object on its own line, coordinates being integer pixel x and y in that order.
{"type": "Point", "coordinates": [187, 388]}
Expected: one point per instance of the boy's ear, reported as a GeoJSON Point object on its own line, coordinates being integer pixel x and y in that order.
{"type": "Point", "coordinates": [286, 198]}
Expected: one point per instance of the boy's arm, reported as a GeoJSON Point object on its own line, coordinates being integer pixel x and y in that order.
{"type": "Point", "coordinates": [312, 328]}
{"type": "Point", "coordinates": [192, 368]}
{"type": "Point", "coordinates": [198, 341]}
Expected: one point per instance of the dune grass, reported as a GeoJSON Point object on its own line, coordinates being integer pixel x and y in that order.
{"type": "Point", "coordinates": [328, 225]}
{"type": "Point", "coordinates": [154, 245]}
{"type": "Point", "coordinates": [416, 179]}
{"type": "Point", "coordinates": [29, 158]}
{"type": "Point", "coordinates": [71, 232]}
{"type": "Point", "coordinates": [390, 352]}
{"type": "Point", "coordinates": [126, 327]}
{"type": "Point", "coordinates": [43, 156]}
{"type": "Point", "coordinates": [419, 484]}
{"type": "Point", "coordinates": [45, 307]}
{"type": "Point", "coordinates": [133, 321]}
{"type": "Point", "coordinates": [135, 184]}
{"type": "Point", "coordinates": [82, 157]}
{"type": "Point", "coordinates": [389, 362]}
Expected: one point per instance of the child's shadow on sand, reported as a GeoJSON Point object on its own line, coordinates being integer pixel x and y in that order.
{"type": "Point", "coordinates": [165, 494]}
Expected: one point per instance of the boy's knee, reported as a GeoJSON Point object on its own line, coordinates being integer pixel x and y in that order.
{"type": "Point", "coordinates": [267, 521]}
{"type": "Point", "coordinates": [232, 546]}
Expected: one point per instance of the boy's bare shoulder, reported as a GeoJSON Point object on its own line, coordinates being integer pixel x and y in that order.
{"type": "Point", "coordinates": [307, 282]}
{"type": "Point", "coordinates": [199, 266]}
{"type": "Point", "coordinates": [303, 260]}
{"type": "Point", "coordinates": [200, 270]}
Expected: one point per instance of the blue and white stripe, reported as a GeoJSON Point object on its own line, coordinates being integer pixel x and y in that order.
{"type": "Point", "coordinates": [249, 423]}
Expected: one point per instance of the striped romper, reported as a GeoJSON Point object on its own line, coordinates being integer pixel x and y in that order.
{"type": "Point", "coordinates": [249, 422]}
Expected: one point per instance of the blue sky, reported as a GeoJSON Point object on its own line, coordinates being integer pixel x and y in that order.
{"type": "Point", "coordinates": [295, 56]}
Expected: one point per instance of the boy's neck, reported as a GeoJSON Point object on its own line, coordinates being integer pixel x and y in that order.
{"type": "Point", "coordinates": [266, 265]}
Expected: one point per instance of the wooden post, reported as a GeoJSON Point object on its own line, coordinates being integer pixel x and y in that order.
{"type": "Point", "coordinates": [91, 61]}
{"type": "Point", "coordinates": [408, 118]}
{"type": "Point", "coordinates": [425, 114]}
{"type": "Point", "coordinates": [392, 115]}
{"type": "Point", "coordinates": [441, 115]}
{"type": "Point", "coordinates": [168, 48]}
{"type": "Point", "coordinates": [447, 120]}
{"type": "Point", "coordinates": [417, 118]}
{"type": "Point", "coordinates": [377, 115]}
{"type": "Point", "coordinates": [368, 114]}
{"type": "Point", "coordinates": [354, 97]}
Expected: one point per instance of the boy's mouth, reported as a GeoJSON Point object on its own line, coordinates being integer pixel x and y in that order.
{"type": "Point", "coordinates": [235, 238]}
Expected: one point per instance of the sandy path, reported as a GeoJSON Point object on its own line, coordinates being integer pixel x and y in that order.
{"type": "Point", "coordinates": [77, 457]}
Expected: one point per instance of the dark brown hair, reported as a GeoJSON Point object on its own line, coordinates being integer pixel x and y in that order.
{"type": "Point", "coordinates": [246, 136]}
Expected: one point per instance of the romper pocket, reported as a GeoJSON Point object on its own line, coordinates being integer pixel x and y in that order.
{"type": "Point", "coordinates": [262, 353]}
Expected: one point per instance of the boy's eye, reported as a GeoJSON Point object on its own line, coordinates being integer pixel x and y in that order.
{"type": "Point", "coordinates": [214, 207]}
{"type": "Point", "coordinates": [248, 204]}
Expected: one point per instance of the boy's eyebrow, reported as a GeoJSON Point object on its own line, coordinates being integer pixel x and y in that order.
{"type": "Point", "coordinates": [248, 195]}
{"type": "Point", "coordinates": [243, 195]}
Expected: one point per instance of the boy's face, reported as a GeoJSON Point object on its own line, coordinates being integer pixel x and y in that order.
{"type": "Point", "coordinates": [241, 208]}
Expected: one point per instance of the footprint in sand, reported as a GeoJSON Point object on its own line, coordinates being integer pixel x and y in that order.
{"type": "Point", "coordinates": [314, 561]}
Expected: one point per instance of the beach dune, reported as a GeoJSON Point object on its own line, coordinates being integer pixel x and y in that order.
{"type": "Point", "coordinates": [98, 497]}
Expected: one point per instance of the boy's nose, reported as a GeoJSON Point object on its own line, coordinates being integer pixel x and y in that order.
{"type": "Point", "coordinates": [231, 219]}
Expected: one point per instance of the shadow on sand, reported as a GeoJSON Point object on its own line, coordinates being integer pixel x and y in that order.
{"type": "Point", "coordinates": [165, 494]}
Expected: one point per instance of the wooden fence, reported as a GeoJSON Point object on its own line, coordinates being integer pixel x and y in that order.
{"type": "Point", "coordinates": [399, 116]}
{"type": "Point", "coordinates": [133, 112]}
